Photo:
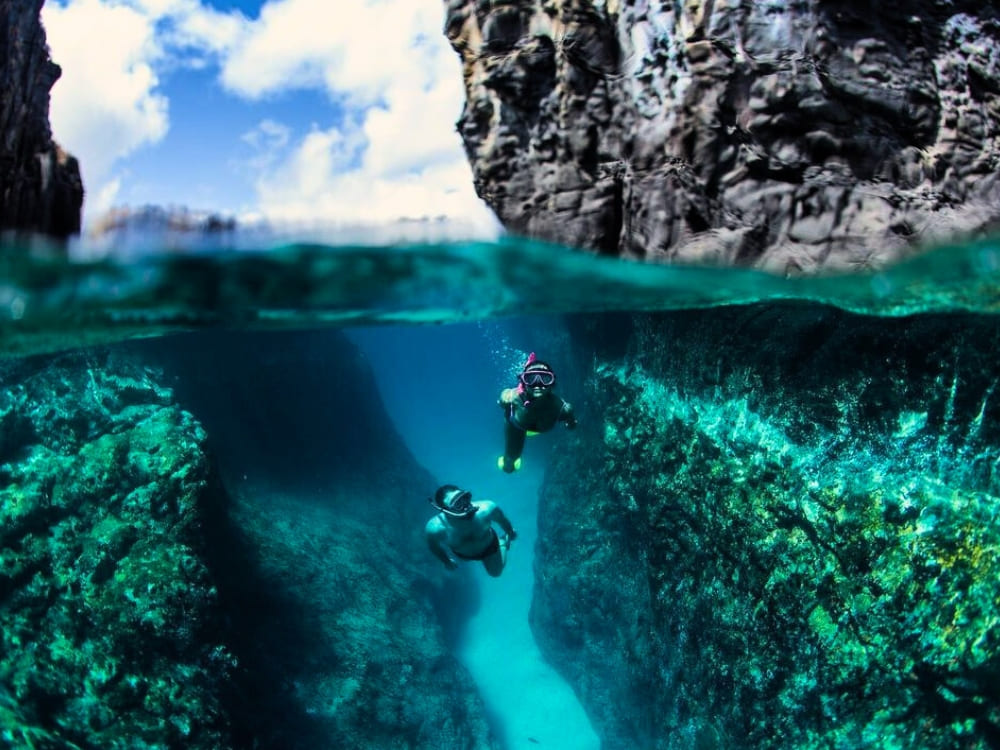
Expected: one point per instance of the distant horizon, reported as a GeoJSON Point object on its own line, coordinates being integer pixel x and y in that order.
{"type": "Point", "coordinates": [285, 111]}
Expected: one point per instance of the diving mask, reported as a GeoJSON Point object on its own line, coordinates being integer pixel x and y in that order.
{"type": "Point", "coordinates": [459, 504]}
{"type": "Point", "coordinates": [538, 378]}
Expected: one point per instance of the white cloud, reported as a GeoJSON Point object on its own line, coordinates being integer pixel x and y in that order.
{"type": "Point", "coordinates": [108, 103]}
{"type": "Point", "coordinates": [105, 105]}
{"type": "Point", "coordinates": [388, 63]}
{"type": "Point", "coordinates": [268, 137]}
{"type": "Point", "coordinates": [309, 190]}
{"type": "Point", "coordinates": [388, 150]}
{"type": "Point", "coordinates": [357, 47]}
{"type": "Point", "coordinates": [198, 28]}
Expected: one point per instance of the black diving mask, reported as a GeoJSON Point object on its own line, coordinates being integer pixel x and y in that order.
{"type": "Point", "coordinates": [538, 379]}
{"type": "Point", "coordinates": [460, 505]}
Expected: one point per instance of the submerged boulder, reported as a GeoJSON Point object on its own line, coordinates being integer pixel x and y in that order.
{"type": "Point", "coordinates": [155, 593]}
{"type": "Point", "coordinates": [110, 616]}
{"type": "Point", "coordinates": [344, 622]}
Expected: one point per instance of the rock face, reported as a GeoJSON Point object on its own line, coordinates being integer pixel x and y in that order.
{"type": "Point", "coordinates": [775, 527]}
{"type": "Point", "coordinates": [40, 185]}
{"type": "Point", "coordinates": [796, 137]}
{"type": "Point", "coordinates": [110, 616]}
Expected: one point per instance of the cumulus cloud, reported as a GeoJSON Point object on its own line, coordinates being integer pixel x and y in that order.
{"type": "Point", "coordinates": [388, 150]}
{"type": "Point", "coordinates": [105, 105]}
{"type": "Point", "coordinates": [356, 48]}
{"type": "Point", "coordinates": [311, 186]}
{"type": "Point", "coordinates": [388, 66]}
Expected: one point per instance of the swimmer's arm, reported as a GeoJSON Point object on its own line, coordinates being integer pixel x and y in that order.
{"type": "Point", "coordinates": [498, 517]}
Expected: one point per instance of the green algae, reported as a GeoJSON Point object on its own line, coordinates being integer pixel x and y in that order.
{"type": "Point", "coordinates": [103, 595]}
{"type": "Point", "coordinates": [805, 561]}
{"type": "Point", "coordinates": [879, 583]}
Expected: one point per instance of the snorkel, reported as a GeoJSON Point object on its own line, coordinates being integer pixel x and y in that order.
{"type": "Point", "coordinates": [520, 384]}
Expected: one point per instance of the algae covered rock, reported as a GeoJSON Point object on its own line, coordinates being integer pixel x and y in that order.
{"type": "Point", "coordinates": [341, 619]}
{"type": "Point", "coordinates": [142, 606]}
{"type": "Point", "coordinates": [753, 559]}
{"type": "Point", "coordinates": [338, 635]}
{"type": "Point", "coordinates": [106, 605]}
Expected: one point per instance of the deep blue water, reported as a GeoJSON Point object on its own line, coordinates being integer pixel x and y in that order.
{"type": "Point", "coordinates": [440, 385]}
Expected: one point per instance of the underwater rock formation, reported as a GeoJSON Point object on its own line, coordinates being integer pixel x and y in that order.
{"type": "Point", "coordinates": [40, 185]}
{"type": "Point", "coordinates": [777, 526]}
{"type": "Point", "coordinates": [109, 617]}
{"type": "Point", "coordinates": [344, 618]}
{"type": "Point", "coordinates": [157, 591]}
{"type": "Point", "coordinates": [795, 137]}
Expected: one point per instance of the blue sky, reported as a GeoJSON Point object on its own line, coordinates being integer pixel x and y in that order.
{"type": "Point", "coordinates": [296, 111]}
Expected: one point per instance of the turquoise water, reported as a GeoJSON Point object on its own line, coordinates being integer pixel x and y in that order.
{"type": "Point", "coordinates": [899, 384]}
{"type": "Point", "coordinates": [49, 301]}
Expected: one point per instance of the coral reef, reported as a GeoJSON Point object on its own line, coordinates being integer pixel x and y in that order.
{"type": "Point", "coordinates": [781, 531]}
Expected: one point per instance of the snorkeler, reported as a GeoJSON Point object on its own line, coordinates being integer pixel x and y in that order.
{"type": "Point", "coordinates": [464, 528]}
{"type": "Point", "coordinates": [530, 408]}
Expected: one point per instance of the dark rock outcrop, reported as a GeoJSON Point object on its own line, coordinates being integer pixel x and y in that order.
{"type": "Point", "coordinates": [796, 137]}
{"type": "Point", "coordinates": [40, 186]}
{"type": "Point", "coordinates": [776, 527]}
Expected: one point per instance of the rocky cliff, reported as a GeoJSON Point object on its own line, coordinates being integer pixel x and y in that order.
{"type": "Point", "coordinates": [40, 185]}
{"type": "Point", "coordinates": [776, 527]}
{"type": "Point", "coordinates": [798, 137]}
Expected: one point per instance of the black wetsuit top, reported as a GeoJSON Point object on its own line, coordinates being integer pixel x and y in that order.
{"type": "Point", "coordinates": [536, 414]}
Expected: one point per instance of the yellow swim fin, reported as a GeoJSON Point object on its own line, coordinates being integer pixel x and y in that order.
{"type": "Point", "coordinates": [502, 464]}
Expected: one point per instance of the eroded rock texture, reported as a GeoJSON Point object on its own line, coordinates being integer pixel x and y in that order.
{"type": "Point", "coordinates": [342, 615]}
{"type": "Point", "coordinates": [798, 137]}
{"type": "Point", "coordinates": [40, 185]}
